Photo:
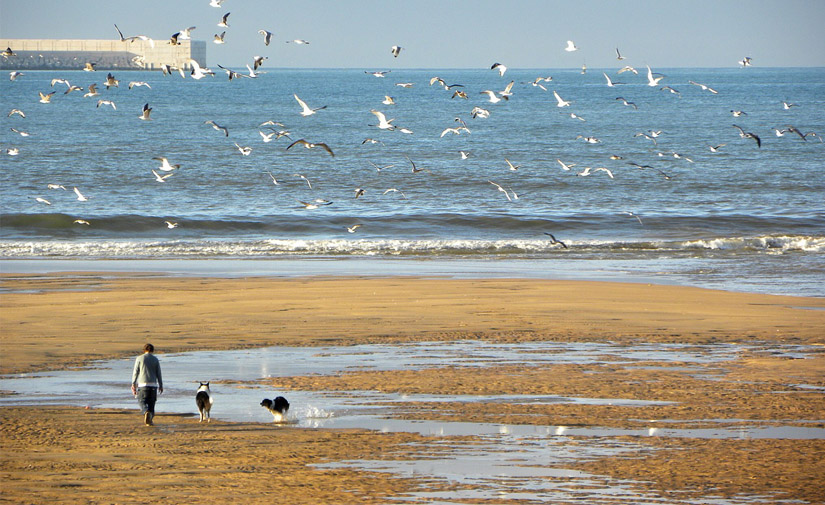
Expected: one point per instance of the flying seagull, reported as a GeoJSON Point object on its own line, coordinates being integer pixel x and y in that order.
{"type": "Point", "coordinates": [553, 240]}
{"type": "Point", "coordinates": [749, 135]}
{"type": "Point", "coordinates": [395, 50]}
{"type": "Point", "coordinates": [146, 111]}
{"type": "Point", "coordinates": [653, 78]}
{"type": "Point", "coordinates": [223, 23]}
{"type": "Point", "coordinates": [307, 111]}
{"type": "Point", "coordinates": [571, 47]}
{"type": "Point", "coordinates": [267, 36]}
{"type": "Point", "coordinates": [218, 127]}
{"type": "Point", "coordinates": [310, 145]}
{"type": "Point", "coordinates": [498, 66]}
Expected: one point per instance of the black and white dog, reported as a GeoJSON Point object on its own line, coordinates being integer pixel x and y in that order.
{"type": "Point", "coordinates": [277, 407]}
{"type": "Point", "coordinates": [204, 401]}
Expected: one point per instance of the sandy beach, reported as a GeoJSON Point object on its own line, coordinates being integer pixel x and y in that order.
{"type": "Point", "coordinates": [72, 455]}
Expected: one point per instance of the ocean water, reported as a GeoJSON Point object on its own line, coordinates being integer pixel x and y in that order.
{"type": "Point", "coordinates": [745, 218]}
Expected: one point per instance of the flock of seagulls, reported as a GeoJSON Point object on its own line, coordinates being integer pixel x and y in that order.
{"type": "Point", "coordinates": [276, 130]}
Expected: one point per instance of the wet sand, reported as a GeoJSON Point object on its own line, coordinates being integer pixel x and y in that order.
{"type": "Point", "coordinates": [71, 455]}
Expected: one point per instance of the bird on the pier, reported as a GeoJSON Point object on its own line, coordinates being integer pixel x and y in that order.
{"type": "Point", "coordinates": [146, 111]}
{"type": "Point", "coordinates": [310, 145]}
{"type": "Point", "coordinates": [305, 109]}
{"type": "Point", "coordinates": [267, 36]}
{"type": "Point", "coordinates": [218, 127]}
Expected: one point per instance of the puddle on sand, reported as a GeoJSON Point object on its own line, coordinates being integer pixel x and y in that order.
{"type": "Point", "coordinates": [512, 462]}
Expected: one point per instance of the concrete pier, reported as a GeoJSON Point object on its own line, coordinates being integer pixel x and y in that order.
{"type": "Point", "coordinates": [55, 54]}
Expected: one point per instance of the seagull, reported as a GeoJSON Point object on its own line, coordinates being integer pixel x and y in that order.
{"type": "Point", "coordinates": [571, 47]}
{"type": "Point", "coordinates": [267, 36]}
{"type": "Point", "coordinates": [111, 81]}
{"type": "Point", "coordinates": [186, 33]}
{"type": "Point", "coordinates": [165, 166]}
{"type": "Point", "coordinates": [171, 225]}
{"type": "Point", "coordinates": [231, 73]}
{"type": "Point", "coordinates": [383, 122]}
{"type": "Point", "coordinates": [14, 75]}
{"type": "Point", "coordinates": [610, 83]}
{"type": "Point", "coordinates": [405, 84]}
{"type": "Point", "coordinates": [267, 137]}
{"type": "Point", "coordinates": [351, 229]}
{"type": "Point", "coordinates": [555, 241]}
{"type": "Point", "coordinates": [218, 127]}
{"type": "Point", "coordinates": [395, 50]}
{"type": "Point", "coordinates": [306, 110]}
{"type": "Point", "coordinates": [737, 113]}
{"type": "Point", "coordinates": [42, 200]}
{"type": "Point", "coordinates": [80, 197]}
{"type": "Point", "coordinates": [566, 166]}
{"type": "Point", "coordinates": [749, 135]}
{"type": "Point", "coordinates": [359, 192]}
{"type": "Point", "coordinates": [46, 98]}
{"type": "Point", "coordinates": [379, 168]}
{"type": "Point", "coordinates": [511, 166]}
{"type": "Point", "coordinates": [602, 169]}
{"type": "Point", "coordinates": [629, 104]}
{"type": "Point", "coordinates": [651, 80]}
{"type": "Point", "coordinates": [304, 178]}
{"type": "Point", "coordinates": [218, 39]}
{"type": "Point", "coordinates": [61, 81]}
{"type": "Point", "coordinates": [589, 140]}
{"type": "Point", "coordinates": [715, 149]}
{"type": "Point", "coordinates": [573, 115]}
{"type": "Point", "coordinates": [378, 73]}
{"type": "Point", "coordinates": [298, 41]}
{"type": "Point", "coordinates": [161, 178]}
{"type": "Point", "coordinates": [216, 3]}
{"type": "Point", "coordinates": [146, 111]}
{"type": "Point", "coordinates": [20, 132]}
{"type": "Point", "coordinates": [223, 23]}
{"type": "Point", "coordinates": [310, 145]}
{"type": "Point", "coordinates": [18, 112]}
{"type": "Point", "coordinates": [56, 186]}
{"type": "Point", "coordinates": [415, 169]}
{"type": "Point", "coordinates": [672, 90]}
{"type": "Point", "coordinates": [132, 84]}
{"type": "Point", "coordinates": [12, 151]}
{"type": "Point", "coordinates": [628, 68]}
{"type": "Point", "coordinates": [561, 103]}
{"type": "Point", "coordinates": [619, 55]}
{"type": "Point", "coordinates": [507, 90]}
{"type": "Point", "coordinates": [500, 188]}
{"type": "Point", "coordinates": [106, 102]}
{"type": "Point", "coordinates": [652, 138]}
{"type": "Point", "coordinates": [633, 215]}
{"type": "Point", "coordinates": [258, 61]}
{"type": "Point", "coordinates": [245, 151]}
{"type": "Point", "coordinates": [464, 154]}
{"type": "Point", "coordinates": [81, 221]}
{"type": "Point", "coordinates": [792, 129]}
{"type": "Point", "coordinates": [788, 105]}
{"type": "Point", "coordinates": [479, 112]}
{"type": "Point", "coordinates": [493, 97]}
{"type": "Point", "coordinates": [8, 53]}
{"type": "Point", "coordinates": [460, 94]}
{"type": "Point", "coordinates": [394, 190]}
{"type": "Point", "coordinates": [136, 37]}
{"type": "Point", "coordinates": [274, 180]}
{"type": "Point", "coordinates": [745, 62]}
{"type": "Point", "coordinates": [498, 66]}
{"type": "Point", "coordinates": [311, 205]}
{"type": "Point", "coordinates": [92, 91]}
{"type": "Point", "coordinates": [704, 87]}
{"type": "Point", "coordinates": [388, 100]}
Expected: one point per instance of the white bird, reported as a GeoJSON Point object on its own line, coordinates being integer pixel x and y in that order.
{"type": "Point", "coordinates": [492, 94]}
{"type": "Point", "coordinates": [351, 229]}
{"type": "Point", "coordinates": [223, 22]}
{"type": "Point", "coordinates": [13, 75]}
{"type": "Point", "coordinates": [464, 154]}
{"type": "Point", "coordinates": [405, 84]}
{"type": "Point", "coordinates": [267, 36]}
{"type": "Point", "coordinates": [111, 81]}
{"type": "Point", "coordinates": [555, 241]}
{"type": "Point", "coordinates": [704, 87]}
{"type": "Point", "coordinates": [561, 103]}
{"type": "Point", "coordinates": [199, 72]}
{"type": "Point", "coordinates": [132, 84]}
{"type": "Point", "coordinates": [12, 151]}
{"type": "Point", "coordinates": [653, 79]}
{"type": "Point", "coordinates": [745, 62]}
{"type": "Point", "coordinates": [566, 166]}
{"type": "Point", "coordinates": [306, 110]}
{"type": "Point", "coordinates": [80, 197]}
{"type": "Point", "coordinates": [146, 111]}
{"type": "Point", "coordinates": [573, 115]}
{"type": "Point", "coordinates": [788, 105]}
{"type": "Point", "coordinates": [602, 169]}
{"type": "Point", "coordinates": [218, 127]}
{"type": "Point", "coordinates": [245, 151]}
{"type": "Point", "coordinates": [610, 82]}
{"type": "Point", "coordinates": [479, 112]}
{"type": "Point", "coordinates": [46, 98]}
{"type": "Point", "coordinates": [92, 91]}
{"type": "Point", "coordinates": [629, 104]}
{"type": "Point", "coordinates": [310, 145]}
{"type": "Point", "coordinates": [170, 224]}
{"type": "Point", "coordinates": [498, 66]}
{"type": "Point", "coordinates": [106, 102]}
{"type": "Point", "coordinates": [298, 41]}
{"type": "Point", "coordinates": [383, 122]}
{"type": "Point", "coordinates": [274, 180]}
{"type": "Point", "coordinates": [395, 190]}
{"type": "Point", "coordinates": [165, 166]}
{"type": "Point", "coordinates": [619, 55]}
{"type": "Point", "coordinates": [18, 112]}
{"type": "Point", "coordinates": [218, 39]}
{"type": "Point", "coordinates": [304, 178]}
{"type": "Point", "coordinates": [589, 140]}
{"type": "Point", "coordinates": [633, 215]}
{"type": "Point", "coordinates": [715, 149]}
{"type": "Point", "coordinates": [571, 46]}
{"type": "Point", "coordinates": [42, 200]}
{"type": "Point", "coordinates": [388, 100]}
{"type": "Point", "coordinates": [215, 3]}
{"type": "Point", "coordinates": [56, 186]}
{"type": "Point", "coordinates": [20, 132]}
{"type": "Point", "coordinates": [81, 221]}
{"type": "Point", "coordinates": [267, 137]}
{"type": "Point", "coordinates": [511, 166]}
{"type": "Point", "coordinates": [500, 188]}
{"type": "Point", "coordinates": [161, 178]}
{"type": "Point", "coordinates": [186, 33]}
{"type": "Point", "coordinates": [395, 50]}
{"type": "Point", "coordinates": [628, 68]}
{"type": "Point", "coordinates": [378, 73]}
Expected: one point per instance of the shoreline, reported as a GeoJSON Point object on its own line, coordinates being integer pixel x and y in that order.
{"type": "Point", "coordinates": [53, 322]}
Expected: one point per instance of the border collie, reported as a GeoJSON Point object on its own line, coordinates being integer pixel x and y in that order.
{"type": "Point", "coordinates": [277, 407]}
{"type": "Point", "coordinates": [204, 401]}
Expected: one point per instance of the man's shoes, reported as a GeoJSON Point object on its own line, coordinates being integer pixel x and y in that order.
{"type": "Point", "coordinates": [147, 418]}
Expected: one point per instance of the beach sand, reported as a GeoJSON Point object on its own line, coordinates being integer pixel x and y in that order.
{"type": "Point", "coordinates": [72, 455]}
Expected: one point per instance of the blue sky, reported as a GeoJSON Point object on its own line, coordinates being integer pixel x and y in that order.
{"type": "Point", "coordinates": [447, 34]}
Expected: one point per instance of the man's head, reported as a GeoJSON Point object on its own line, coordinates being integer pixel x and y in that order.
{"type": "Point", "coordinates": [148, 348]}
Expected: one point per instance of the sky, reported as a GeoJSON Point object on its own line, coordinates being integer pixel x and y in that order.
{"type": "Point", "coordinates": [452, 34]}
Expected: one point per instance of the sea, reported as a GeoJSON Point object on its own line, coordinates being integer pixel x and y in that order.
{"type": "Point", "coordinates": [656, 205]}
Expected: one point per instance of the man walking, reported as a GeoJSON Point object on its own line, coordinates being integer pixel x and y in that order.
{"type": "Point", "coordinates": [147, 382]}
